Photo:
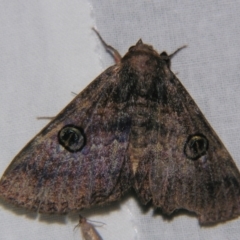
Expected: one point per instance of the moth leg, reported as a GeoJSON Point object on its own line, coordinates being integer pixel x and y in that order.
{"type": "Point", "coordinates": [115, 54]}
{"type": "Point", "coordinates": [45, 118]}
{"type": "Point", "coordinates": [51, 118]}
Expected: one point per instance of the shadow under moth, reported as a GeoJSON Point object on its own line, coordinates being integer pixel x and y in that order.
{"type": "Point", "coordinates": [135, 126]}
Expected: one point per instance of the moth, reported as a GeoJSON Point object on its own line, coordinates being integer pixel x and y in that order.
{"type": "Point", "coordinates": [134, 127]}
{"type": "Point", "coordinates": [88, 230]}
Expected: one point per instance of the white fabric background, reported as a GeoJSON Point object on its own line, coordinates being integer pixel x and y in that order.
{"type": "Point", "coordinates": [47, 50]}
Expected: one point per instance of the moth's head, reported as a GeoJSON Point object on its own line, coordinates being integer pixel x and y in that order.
{"type": "Point", "coordinates": [140, 47]}
{"type": "Point", "coordinates": [143, 58]}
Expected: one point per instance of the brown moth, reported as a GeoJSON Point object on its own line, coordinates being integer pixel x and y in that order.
{"type": "Point", "coordinates": [88, 230]}
{"type": "Point", "coordinates": [135, 126]}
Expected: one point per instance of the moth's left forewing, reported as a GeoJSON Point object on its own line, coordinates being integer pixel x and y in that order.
{"type": "Point", "coordinates": [79, 159]}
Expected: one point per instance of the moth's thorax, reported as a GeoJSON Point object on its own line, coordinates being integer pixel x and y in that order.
{"type": "Point", "coordinates": [143, 58]}
{"type": "Point", "coordinates": [143, 74]}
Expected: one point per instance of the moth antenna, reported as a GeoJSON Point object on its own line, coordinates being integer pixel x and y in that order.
{"type": "Point", "coordinates": [175, 52]}
{"type": "Point", "coordinates": [116, 55]}
{"type": "Point", "coordinates": [96, 223]}
{"type": "Point", "coordinates": [83, 219]}
{"type": "Point", "coordinates": [168, 58]}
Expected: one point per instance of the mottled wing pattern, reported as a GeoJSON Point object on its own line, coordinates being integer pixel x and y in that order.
{"type": "Point", "coordinates": [135, 125]}
{"type": "Point", "coordinates": [51, 177]}
{"type": "Point", "coordinates": [188, 167]}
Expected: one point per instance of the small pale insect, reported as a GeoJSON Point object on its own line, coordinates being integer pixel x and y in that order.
{"type": "Point", "coordinates": [88, 230]}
